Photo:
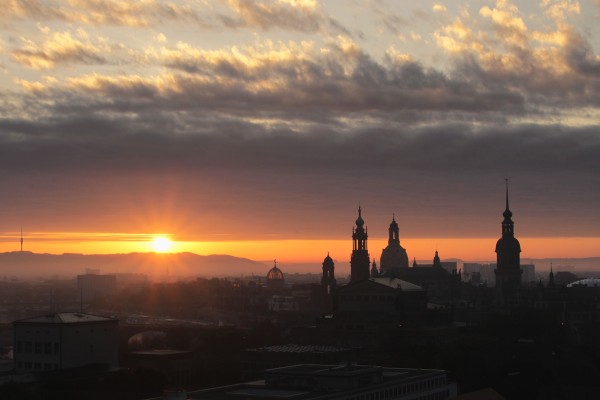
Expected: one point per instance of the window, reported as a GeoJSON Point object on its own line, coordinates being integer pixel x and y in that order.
{"type": "Point", "coordinates": [28, 347]}
{"type": "Point", "coordinates": [47, 348]}
{"type": "Point", "coordinates": [56, 348]}
{"type": "Point", "coordinates": [19, 347]}
{"type": "Point", "coordinates": [37, 366]}
{"type": "Point", "coordinates": [38, 347]}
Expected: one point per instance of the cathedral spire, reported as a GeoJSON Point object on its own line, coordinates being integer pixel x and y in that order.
{"type": "Point", "coordinates": [507, 224]}
{"type": "Point", "coordinates": [436, 259]}
{"type": "Point", "coordinates": [507, 208]}
{"type": "Point", "coordinates": [374, 271]}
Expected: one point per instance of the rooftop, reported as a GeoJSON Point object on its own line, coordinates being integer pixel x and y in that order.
{"type": "Point", "coordinates": [300, 348]}
{"type": "Point", "coordinates": [589, 282]}
{"type": "Point", "coordinates": [313, 381]}
{"type": "Point", "coordinates": [65, 318]}
{"type": "Point", "coordinates": [396, 283]}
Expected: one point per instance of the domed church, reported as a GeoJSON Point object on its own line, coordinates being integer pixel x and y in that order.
{"type": "Point", "coordinates": [437, 281]}
{"type": "Point", "coordinates": [394, 257]}
{"type": "Point", "coordinates": [275, 277]}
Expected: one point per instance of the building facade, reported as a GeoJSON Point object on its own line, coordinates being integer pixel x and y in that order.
{"type": "Point", "coordinates": [64, 340]}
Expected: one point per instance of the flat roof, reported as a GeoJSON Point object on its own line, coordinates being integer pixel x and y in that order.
{"type": "Point", "coordinates": [266, 393]}
{"type": "Point", "coordinates": [300, 348]}
{"type": "Point", "coordinates": [319, 369]}
{"type": "Point", "coordinates": [161, 352]}
{"type": "Point", "coordinates": [262, 390]}
{"type": "Point", "coordinates": [65, 318]}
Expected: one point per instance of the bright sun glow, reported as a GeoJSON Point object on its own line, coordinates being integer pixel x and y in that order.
{"type": "Point", "coordinates": [161, 244]}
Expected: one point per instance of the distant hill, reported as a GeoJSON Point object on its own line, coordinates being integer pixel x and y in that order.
{"type": "Point", "coordinates": [27, 265]}
{"type": "Point", "coordinates": [32, 265]}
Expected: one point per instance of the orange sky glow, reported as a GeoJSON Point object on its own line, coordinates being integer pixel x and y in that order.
{"type": "Point", "coordinates": [303, 251]}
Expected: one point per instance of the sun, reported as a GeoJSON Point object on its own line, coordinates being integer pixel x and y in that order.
{"type": "Point", "coordinates": [161, 244]}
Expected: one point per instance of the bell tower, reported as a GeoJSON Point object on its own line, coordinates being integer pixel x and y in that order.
{"type": "Point", "coordinates": [508, 255]}
{"type": "Point", "coordinates": [360, 260]}
{"type": "Point", "coordinates": [328, 278]}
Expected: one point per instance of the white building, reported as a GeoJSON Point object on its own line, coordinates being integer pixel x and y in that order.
{"type": "Point", "coordinates": [64, 340]}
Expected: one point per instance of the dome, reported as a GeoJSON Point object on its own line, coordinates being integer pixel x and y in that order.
{"type": "Point", "coordinates": [275, 274]}
{"type": "Point", "coordinates": [393, 256]}
{"type": "Point", "coordinates": [508, 243]}
{"type": "Point", "coordinates": [328, 260]}
{"type": "Point", "coordinates": [507, 213]}
{"type": "Point", "coordinates": [359, 221]}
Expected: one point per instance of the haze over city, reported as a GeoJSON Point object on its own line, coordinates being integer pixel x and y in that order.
{"type": "Point", "coordinates": [256, 128]}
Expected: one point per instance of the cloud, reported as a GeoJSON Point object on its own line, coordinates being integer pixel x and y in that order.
{"type": "Point", "coordinates": [300, 15]}
{"type": "Point", "coordinates": [440, 8]}
{"type": "Point", "coordinates": [559, 10]}
{"type": "Point", "coordinates": [547, 65]}
{"type": "Point", "coordinates": [142, 13]}
{"type": "Point", "coordinates": [284, 80]}
{"type": "Point", "coordinates": [61, 48]}
{"type": "Point", "coordinates": [507, 23]}
{"type": "Point", "coordinates": [226, 167]}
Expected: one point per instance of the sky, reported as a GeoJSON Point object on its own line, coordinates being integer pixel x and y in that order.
{"type": "Point", "coordinates": [256, 128]}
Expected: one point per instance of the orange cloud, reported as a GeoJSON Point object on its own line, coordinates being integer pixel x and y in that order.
{"type": "Point", "coordinates": [138, 13]}
{"type": "Point", "coordinates": [60, 48]}
{"type": "Point", "coordinates": [301, 15]}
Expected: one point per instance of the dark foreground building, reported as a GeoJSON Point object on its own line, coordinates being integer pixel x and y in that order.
{"type": "Point", "coordinates": [337, 382]}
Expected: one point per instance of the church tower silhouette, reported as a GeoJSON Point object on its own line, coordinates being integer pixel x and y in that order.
{"type": "Point", "coordinates": [508, 268]}
{"type": "Point", "coordinates": [360, 260]}
{"type": "Point", "coordinates": [328, 279]}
